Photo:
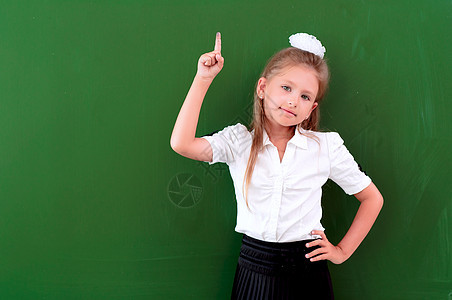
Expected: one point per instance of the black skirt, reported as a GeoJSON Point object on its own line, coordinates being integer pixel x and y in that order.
{"type": "Point", "coordinates": [280, 271]}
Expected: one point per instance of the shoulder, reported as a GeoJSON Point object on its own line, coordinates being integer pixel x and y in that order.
{"type": "Point", "coordinates": [329, 137]}
{"type": "Point", "coordinates": [325, 134]}
{"type": "Point", "coordinates": [228, 143]}
{"type": "Point", "coordinates": [333, 137]}
{"type": "Point", "coordinates": [330, 143]}
{"type": "Point", "coordinates": [232, 134]}
{"type": "Point", "coordinates": [236, 128]}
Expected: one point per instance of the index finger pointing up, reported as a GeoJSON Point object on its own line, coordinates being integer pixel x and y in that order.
{"type": "Point", "coordinates": [218, 42]}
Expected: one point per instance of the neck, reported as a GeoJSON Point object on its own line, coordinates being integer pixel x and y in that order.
{"type": "Point", "coordinates": [282, 132]}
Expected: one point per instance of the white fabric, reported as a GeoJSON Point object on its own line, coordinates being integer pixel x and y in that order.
{"type": "Point", "coordinates": [308, 43]}
{"type": "Point", "coordinates": [284, 197]}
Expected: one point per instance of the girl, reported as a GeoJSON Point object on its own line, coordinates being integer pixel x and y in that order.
{"type": "Point", "coordinates": [278, 168]}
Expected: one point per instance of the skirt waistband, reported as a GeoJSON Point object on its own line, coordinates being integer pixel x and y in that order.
{"type": "Point", "coordinates": [275, 258]}
{"type": "Point", "coordinates": [272, 246]}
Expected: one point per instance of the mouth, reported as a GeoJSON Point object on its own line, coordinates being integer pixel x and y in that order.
{"type": "Point", "coordinates": [288, 111]}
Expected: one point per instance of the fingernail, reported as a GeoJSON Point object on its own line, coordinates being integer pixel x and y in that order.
{"type": "Point", "coordinates": [307, 245]}
{"type": "Point", "coordinates": [307, 255]}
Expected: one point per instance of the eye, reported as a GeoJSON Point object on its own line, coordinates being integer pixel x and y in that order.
{"type": "Point", "coordinates": [286, 88]}
{"type": "Point", "coordinates": [305, 97]}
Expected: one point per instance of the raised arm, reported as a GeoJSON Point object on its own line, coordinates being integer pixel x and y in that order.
{"type": "Point", "coordinates": [183, 140]}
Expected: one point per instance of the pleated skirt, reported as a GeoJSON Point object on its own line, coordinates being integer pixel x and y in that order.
{"type": "Point", "coordinates": [267, 270]}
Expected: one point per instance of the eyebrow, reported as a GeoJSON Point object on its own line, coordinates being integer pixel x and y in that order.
{"type": "Point", "coordinates": [293, 83]}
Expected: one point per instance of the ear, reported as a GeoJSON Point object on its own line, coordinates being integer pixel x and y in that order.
{"type": "Point", "coordinates": [261, 85]}
{"type": "Point", "coordinates": [314, 106]}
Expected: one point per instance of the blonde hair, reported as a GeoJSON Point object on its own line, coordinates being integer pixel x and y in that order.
{"type": "Point", "coordinates": [286, 57]}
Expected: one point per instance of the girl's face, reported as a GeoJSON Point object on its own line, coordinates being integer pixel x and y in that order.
{"type": "Point", "coordinates": [289, 97]}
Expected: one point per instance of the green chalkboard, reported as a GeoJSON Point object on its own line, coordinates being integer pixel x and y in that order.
{"type": "Point", "coordinates": [94, 204]}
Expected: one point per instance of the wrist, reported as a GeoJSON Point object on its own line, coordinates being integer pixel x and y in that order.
{"type": "Point", "coordinates": [203, 79]}
{"type": "Point", "coordinates": [345, 253]}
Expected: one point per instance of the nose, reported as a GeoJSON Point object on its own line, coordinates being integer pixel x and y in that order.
{"type": "Point", "coordinates": [293, 101]}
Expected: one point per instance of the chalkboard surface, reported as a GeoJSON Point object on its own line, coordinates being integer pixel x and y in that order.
{"type": "Point", "coordinates": [94, 204]}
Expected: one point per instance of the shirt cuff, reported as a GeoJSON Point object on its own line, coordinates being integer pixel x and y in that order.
{"type": "Point", "coordinates": [358, 187]}
{"type": "Point", "coordinates": [214, 149]}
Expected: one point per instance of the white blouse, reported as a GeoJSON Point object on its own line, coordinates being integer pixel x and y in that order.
{"type": "Point", "coordinates": [284, 196]}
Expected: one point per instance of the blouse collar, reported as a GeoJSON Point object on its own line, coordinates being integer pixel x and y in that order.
{"type": "Point", "coordinates": [298, 139]}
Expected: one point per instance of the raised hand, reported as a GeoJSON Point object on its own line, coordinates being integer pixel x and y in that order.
{"type": "Point", "coordinates": [211, 63]}
{"type": "Point", "coordinates": [326, 251]}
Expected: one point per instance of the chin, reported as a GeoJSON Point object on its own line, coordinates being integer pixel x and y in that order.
{"type": "Point", "coordinates": [288, 124]}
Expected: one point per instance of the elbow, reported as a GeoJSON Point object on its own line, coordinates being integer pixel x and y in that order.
{"type": "Point", "coordinates": [377, 198]}
{"type": "Point", "coordinates": [372, 196]}
{"type": "Point", "coordinates": [174, 145]}
{"type": "Point", "coordinates": [178, 147]}
{"type": "Point", "coordinates": [379, 201]}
